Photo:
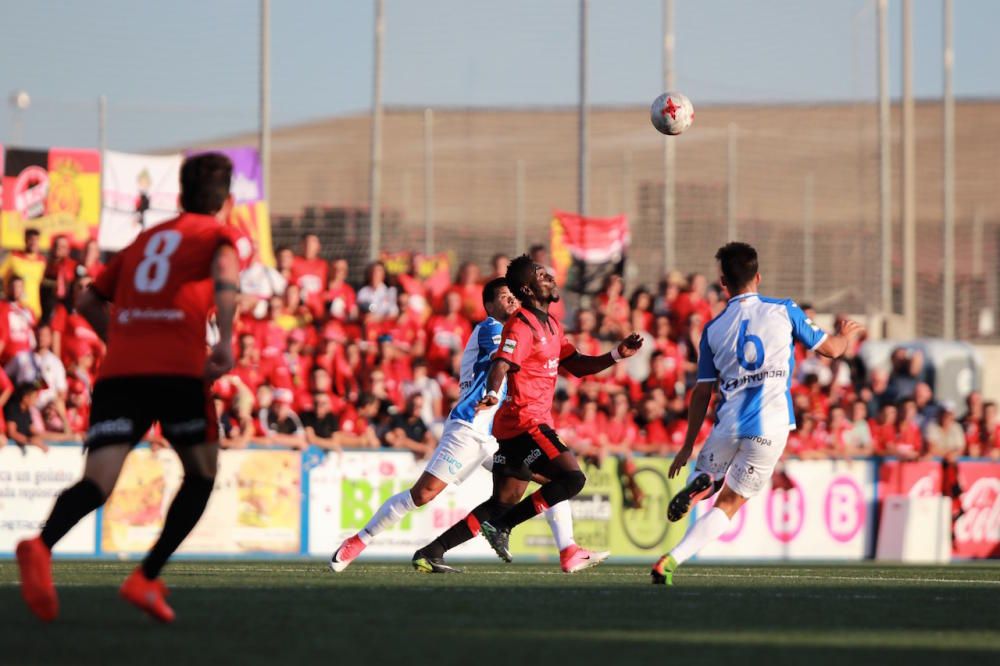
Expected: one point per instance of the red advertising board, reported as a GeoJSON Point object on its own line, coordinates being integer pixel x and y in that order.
{"type": "Point", "coordinates": [977, 524]}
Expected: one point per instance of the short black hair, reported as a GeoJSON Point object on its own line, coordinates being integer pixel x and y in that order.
{"type": "Point", "coordinates": [739, 264]}
{"type": "Point", "coordinates": [491, 288]}
{"type": "Point", "coordinates": [205, 182]}
{"type": "Point", "coordinates": [519, 274]}
{"type": "Point", "coordinates": [31, 232]}
{"type": "Point", "coordinates": [537, 247]}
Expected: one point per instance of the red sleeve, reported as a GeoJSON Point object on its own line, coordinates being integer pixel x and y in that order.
{"type": "Point", "coordinates": [515, 342]}
{"type": "Point", "coordinates": [566, 348]}
{"type": "Point", "coordinates": [241, 243]}
{"type": "Point", "coordinates": [5, 383]}
{"type": "Point", "coordinates": [106, 283]}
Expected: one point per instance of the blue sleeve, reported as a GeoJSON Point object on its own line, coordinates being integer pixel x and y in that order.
{"type": "Point", "coordinates": [489, 337]}
{"type": "Point", "coordinates": [706, 361]}
{"type": "Point", "coordinates": [803, 328]}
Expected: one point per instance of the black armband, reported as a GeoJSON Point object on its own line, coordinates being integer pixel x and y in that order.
{"type": "Point", "coordinates": [227, 286]}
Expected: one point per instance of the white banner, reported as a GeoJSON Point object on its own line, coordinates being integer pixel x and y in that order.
{"type": "Point", "coordinates": [138, 192]}
{"type": "Point", "coordinates": [827, 515]}
{"type": "Point", "coordinates": [30, 481]}
{"type": "Point", "coordinates": [345, 490]}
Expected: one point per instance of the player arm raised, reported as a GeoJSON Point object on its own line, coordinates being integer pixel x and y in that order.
{"type": "Point", "coordinates": [836, 345]}
{"type": "Point", "coordinates": [581, 365]}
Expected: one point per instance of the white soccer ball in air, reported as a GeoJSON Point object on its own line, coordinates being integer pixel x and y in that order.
{"type": "Point", "coordinates": [671, 113]}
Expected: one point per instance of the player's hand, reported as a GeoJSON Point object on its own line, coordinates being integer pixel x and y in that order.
{"type": "Point", "coordinates": [630, 345]}
{"type": "Point", "coordinates": [851, 329]}
{"type": "Point", "coordinates": [680, 461]}
{"type": "Point", "coordinates": [487, 402]}
{"type": "Point", "coordinates": [220, 361]}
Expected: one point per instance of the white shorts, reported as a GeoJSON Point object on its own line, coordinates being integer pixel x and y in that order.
{"type": "Point", "coordinates": [746, 462]}
{"type": "Point", "coordinates": [459, 452]}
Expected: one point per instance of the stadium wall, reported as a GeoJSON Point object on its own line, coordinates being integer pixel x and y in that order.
{"type": "Point", "coordinates": [274, 503]}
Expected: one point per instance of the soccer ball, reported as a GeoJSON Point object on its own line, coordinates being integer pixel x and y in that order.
{"type": "Point", "coordinates": [671, 113]}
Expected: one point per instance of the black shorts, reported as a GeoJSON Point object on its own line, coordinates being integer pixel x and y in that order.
{"type": "Point", "coordinates": [124, 408]}
{"type": "Point", "coordinates": [523, 454]}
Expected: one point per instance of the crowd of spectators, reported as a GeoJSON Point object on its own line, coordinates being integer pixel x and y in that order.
{"type": "Point", "coordinates": [323, 362]}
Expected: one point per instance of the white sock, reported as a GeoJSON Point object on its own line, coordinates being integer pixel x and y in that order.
{"type": "Point", "coordinates": [708, 528]}
{"type": "Point", "coordinates": [390, 513]}
{"type": "Point", "coordinates": [560, 519]}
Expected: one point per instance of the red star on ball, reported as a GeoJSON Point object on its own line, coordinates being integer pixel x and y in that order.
{"type": "Point", "coordinates": [670, 108]}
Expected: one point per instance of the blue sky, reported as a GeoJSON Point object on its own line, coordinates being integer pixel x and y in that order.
{"type": "Point", "coordinates": [187, 70]}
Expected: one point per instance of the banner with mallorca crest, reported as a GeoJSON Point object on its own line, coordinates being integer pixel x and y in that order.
{"type": "Point", "coordinates": [55, 190]}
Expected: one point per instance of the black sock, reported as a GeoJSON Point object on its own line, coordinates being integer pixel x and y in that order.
{"type": "Point", "coordinates": [466, 528]}
{"type": "Point", "coordinates": [73, 504]}
{"type": "Point", "coordinates": [183, 515]}
{"type": "Point", "coordinates": [553, 492]}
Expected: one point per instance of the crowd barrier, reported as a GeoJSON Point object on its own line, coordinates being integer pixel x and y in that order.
{"type": "Point", "coordinates": [272, 503]}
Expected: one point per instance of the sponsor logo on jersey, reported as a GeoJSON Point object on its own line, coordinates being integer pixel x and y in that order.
{"type": "Point", "coordinates": [755, 378]}
{"type": "Point", "coordinates": [115, 427]}
{"type": "Point", "coordinates": [757, 439]}
{"type": "Point", "coordinates": [508, 345]}
{"type": "Point", "coordinates": [149, 314]}
{"type": "Point", "coordinates": [496, 339]}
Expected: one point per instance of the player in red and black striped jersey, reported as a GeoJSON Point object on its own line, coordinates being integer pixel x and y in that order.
{"type": "Point", "coordinates": [152, 306]}
{"type": "Point", "coordinates": [533, 348]}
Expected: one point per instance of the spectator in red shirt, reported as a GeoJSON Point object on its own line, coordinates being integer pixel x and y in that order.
{"type": "Point", "coordinates": [341, 300]}
{"type": "Point", "coordinates": [613, 308]}
{"type": "Point", "coordinates": [247, 366]}
{"type": "Point", "coordinates": [408, 329]}
{"type": "Point", "coordinates": [309, 270]}
{"type": "Point", "coordinates": [57, 280]}
{"type": "Point", "coordinates": [691, 302]}
{"type": "Point", "coordinates": [655, 435]}
{"type": "Point", "coordinates": [909, 439]}
{"type": "Point", "coordinates": [447, 334]}
{"type": "Point", "coordinates": [642, 301]}
{"type": "Point", "coordinates": [70, 331]}
{"type": "Point", "coordinates": [806, 441]}
{"type": "Point", "coordinates": [91, 259]}
{"type": "Point", "coordinates": [17, 322]}
{"type": "Point", "coordinates": [583, 338]}
{"type": "Point", "coordinates": [665, 373]}
{"type": "Point", "coordinates": [470, 291]}
{"type": "Point", "coordinates": [590, 433]}
{"type": "Point", "coordinates": [884, 429]}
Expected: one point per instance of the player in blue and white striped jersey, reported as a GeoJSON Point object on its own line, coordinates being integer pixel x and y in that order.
{"type": "Point", "coordinates": [467, 441]}
{"type": "Point", "coordinates": [748, 351]}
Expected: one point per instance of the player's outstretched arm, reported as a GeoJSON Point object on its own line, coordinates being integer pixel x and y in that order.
{"type": "Point", "coordinates": [226, 279]}
{"type": "Point", "coordinates": [834, 346]}
{"type": "Point", "coordinates": [701, 396]}
{"type": "Point", "coordinates": [580, 365]}
{"type": "Point", "coordinates": [494, 380]}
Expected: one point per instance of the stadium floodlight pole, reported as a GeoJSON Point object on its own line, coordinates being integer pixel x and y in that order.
{"type": "Point", "coordinates": [731, 184]}
{"type": "Point", "coordinates": [885, 172]}
{"type": "Point", "coordinates": [808, 240]}
{"type": "Point", "coordinates": [669, 147]}
{"type": "Point", "coordinates": [265, 97]}
{"type": "Point", "coordinates": [948, 299]}
{"type": "Point", "coordinates": [908, 177]}
{"type": "Point", "coordinates": [583, 182]}
{"type": "Point", "coordinates": [519, 193]}
{"type": "Point", "coordinates": [428, 181]}
{"type": "Point", "coordinates": [375, 180]}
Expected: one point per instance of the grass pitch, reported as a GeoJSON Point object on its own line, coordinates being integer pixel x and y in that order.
{"type": "Point", "coordinates": [287, 613]}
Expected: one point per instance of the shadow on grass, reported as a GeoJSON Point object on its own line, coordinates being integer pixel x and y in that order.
{"type": "Point", "coordinates": [434, 621]}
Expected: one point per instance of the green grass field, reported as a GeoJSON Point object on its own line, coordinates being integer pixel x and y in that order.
{"type": "Point", "coordinates": [282, 613]}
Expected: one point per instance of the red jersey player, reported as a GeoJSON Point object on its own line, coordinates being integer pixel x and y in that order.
{"type": "Point", "coordinates": [152, 304]}
{"type": "Point", "coordinates": [533, 348]}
